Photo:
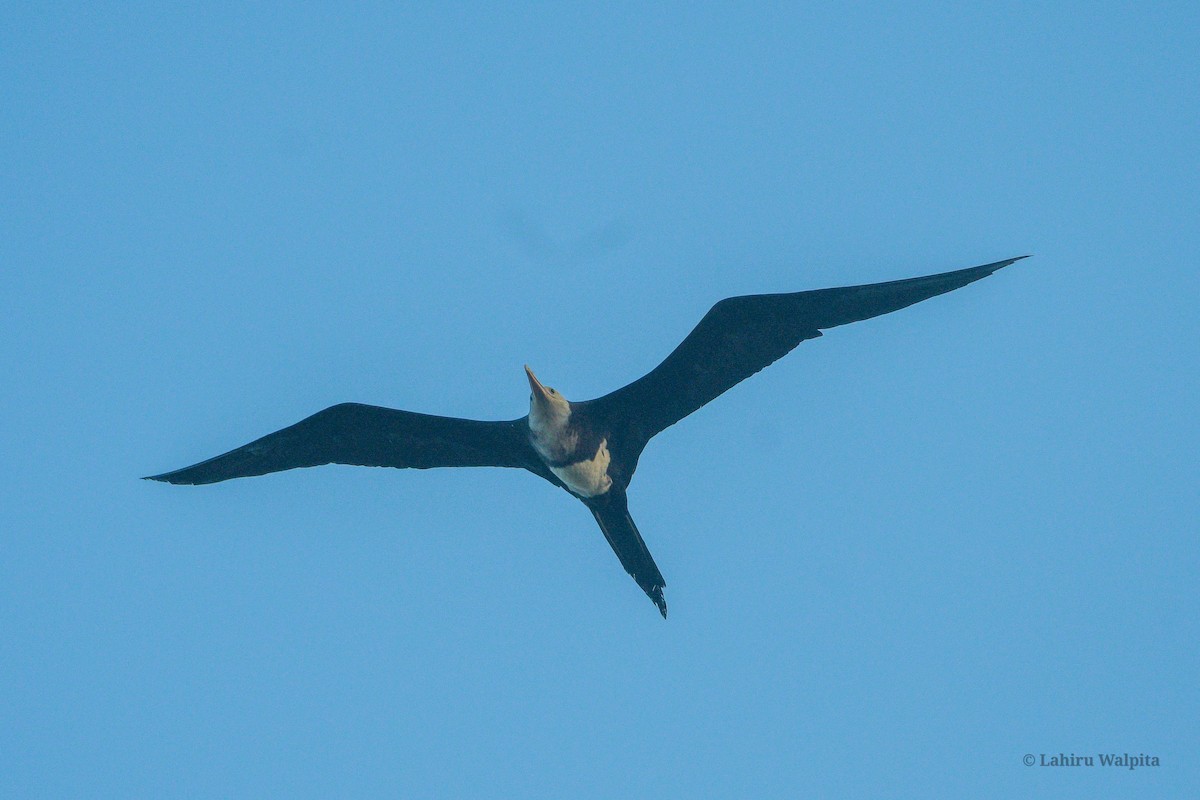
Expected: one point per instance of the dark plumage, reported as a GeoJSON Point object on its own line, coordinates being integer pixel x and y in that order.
{"type": "Point", "coordinates": [738, 337]}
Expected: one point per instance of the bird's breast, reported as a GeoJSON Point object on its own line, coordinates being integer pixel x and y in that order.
{"type": "Point", "coordinates": [589, 477]}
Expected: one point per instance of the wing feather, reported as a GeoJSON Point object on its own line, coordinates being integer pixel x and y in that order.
{"type": "Point", "coordinates": [363, 435]}
{"type": "Point", "coordinates": [741, 335]}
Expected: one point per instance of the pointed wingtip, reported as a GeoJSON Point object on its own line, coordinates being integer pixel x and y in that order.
{"type": "Point", "coordinates": [975, 273]}
{"type": "Point", "coordinates": [1010, 261]}
{"type": "Point", "coordinates": [998, 265]}
{"type": "Point", "coordinates": [166, 477]}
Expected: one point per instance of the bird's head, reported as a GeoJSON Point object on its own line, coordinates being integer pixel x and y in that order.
{"type": "Point", "coordinates": [547, 408]}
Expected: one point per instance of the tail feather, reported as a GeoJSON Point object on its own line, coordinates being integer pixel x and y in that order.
{"type": "Point", "coordinates": [612, 514]}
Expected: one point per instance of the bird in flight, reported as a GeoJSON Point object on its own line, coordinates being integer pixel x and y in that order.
{"type": "Point", "coordinates": [589, 449]}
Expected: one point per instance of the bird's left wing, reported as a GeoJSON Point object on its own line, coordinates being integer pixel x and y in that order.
{"type": "Point", "coordinates": [741, 335]}
{"type": "Point", "coordinates": [352, 433]}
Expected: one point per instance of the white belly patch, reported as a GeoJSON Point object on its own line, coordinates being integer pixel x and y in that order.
{"type": "Point", "coordinates": [587, 478]}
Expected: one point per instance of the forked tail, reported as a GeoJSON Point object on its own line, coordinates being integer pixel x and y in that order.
{"type": "Point", "coordinates": [611, 510]}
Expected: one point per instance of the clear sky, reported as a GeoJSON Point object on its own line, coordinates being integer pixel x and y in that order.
{"type": "Point", "coordinates": [898, 561]}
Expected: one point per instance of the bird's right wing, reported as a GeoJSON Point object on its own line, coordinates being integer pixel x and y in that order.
{"type": "Point", "coordinates": [352, 433]}
{"type": "Point", "coordinates": [741, 335]}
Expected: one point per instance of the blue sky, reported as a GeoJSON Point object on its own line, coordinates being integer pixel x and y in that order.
{"type": "Point", "coordinates": [897, 561]}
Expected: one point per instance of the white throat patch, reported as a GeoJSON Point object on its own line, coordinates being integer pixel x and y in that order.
{"type": "Point", "coordinates": [549, 429]}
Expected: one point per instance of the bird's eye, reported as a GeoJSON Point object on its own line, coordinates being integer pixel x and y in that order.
{"type": "Point", "coordinates": [551, 391]}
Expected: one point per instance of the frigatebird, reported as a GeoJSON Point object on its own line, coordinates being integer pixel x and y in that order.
{"type": "Point", "coordinates": [589, 449]}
